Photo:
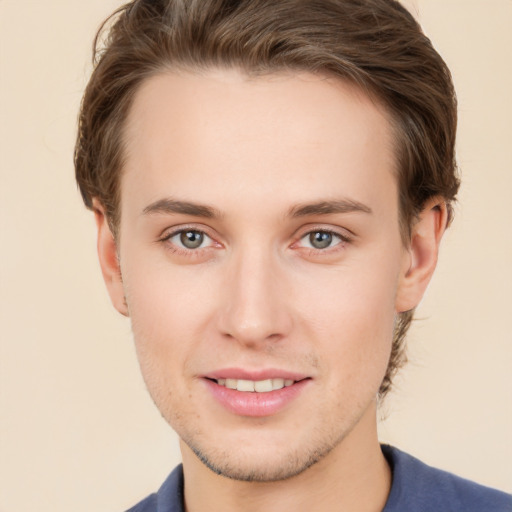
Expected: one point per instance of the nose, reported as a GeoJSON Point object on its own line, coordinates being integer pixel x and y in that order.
{"type": "Point", "coordinates": [255, 303]}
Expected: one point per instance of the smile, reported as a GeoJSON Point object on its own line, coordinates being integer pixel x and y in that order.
{"type": "Point", "coordinates": [255, 386]}
{"type": "Point", "coordinates": [264, 394]}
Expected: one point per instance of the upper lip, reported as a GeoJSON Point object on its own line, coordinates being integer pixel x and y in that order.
{"type": "Point", "coordinates": [255, 375]}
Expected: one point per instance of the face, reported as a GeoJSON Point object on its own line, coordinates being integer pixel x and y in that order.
{"type": "Point", "coordinates": [261, 262]}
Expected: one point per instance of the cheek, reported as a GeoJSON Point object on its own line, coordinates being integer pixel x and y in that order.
{"type": "Point", "coordinates": [351, 316]}
{"type": "Point", "coordinates": [165, 297]}
{"type": "Point", "coordinates": [163, 316]}
{"type": "Point", "coordinates": [168, 310]}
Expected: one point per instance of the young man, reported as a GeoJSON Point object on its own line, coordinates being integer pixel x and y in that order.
{"type": "Point", "coordinates": [271, 182]}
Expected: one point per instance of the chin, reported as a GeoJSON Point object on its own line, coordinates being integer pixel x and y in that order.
{"type": "Point", "coordinates": [264, 461]}
{"type": "Point", "coordinates": [262, 470]}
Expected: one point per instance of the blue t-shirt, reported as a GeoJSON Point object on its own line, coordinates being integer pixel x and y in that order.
{"type": "Point", "coordinates": [416, 487]}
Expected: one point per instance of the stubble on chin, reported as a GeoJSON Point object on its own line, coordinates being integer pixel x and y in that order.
{"type": "Point", "coordinates": [249, 468]}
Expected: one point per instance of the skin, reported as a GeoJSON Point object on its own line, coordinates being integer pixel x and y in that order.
{"type": "Point", "coordinates": [256, 294]}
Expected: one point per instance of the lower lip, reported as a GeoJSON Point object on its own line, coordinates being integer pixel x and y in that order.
{"type": "Point", "coordinates": [256, 404]}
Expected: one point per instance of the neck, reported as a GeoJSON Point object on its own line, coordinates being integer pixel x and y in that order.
{"type": "Point", "coordinates": [354, 476]}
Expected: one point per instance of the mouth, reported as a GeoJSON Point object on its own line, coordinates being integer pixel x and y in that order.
{"type": "Point", "coordinates": [255, 386]}
{"type": "Point", "coordinates": [263, 393]}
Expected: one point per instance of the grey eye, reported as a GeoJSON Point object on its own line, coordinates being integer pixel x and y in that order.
{"type": "Point", "coordinates": [191, 239]}
{"type": "Point", "coordinates": [320, 239]}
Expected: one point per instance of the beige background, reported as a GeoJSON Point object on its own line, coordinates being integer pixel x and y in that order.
{"type": "Point", "coordinates": [77, 429]}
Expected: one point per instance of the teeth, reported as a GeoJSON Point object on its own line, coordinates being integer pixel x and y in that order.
{"type": "Point", "coordinates": [251, 386]}
{"type": "Point", "coordinates": [245, 385]}
{"type": "Point", "coordinates": [231, 383]}
{"type": "Point", "coordinates": [278, 383]}
{"type": "Point", "coordinates": [263, 386]}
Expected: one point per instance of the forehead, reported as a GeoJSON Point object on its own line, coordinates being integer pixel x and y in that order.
{"type": "Point", "coordinates": [222, 132]}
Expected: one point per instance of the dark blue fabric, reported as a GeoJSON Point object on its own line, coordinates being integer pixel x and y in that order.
{"type": "Point", "coordinates": [416, 487]}
{"type": "Point", "coordinates": [169, 497]}
{"type": "Point", "coordinates": [421, 488]}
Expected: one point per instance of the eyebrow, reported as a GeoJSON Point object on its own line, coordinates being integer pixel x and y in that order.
{"type": "Point", "coordinates": [170, 206]}
{"type": "Point", "coordinates": [329, 207]}
{"type": "Point", "coordinates": [173, 206]}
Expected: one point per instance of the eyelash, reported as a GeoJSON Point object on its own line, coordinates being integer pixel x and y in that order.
{"type": "Point", "coordinates": [343, 241]}
{"type": "Point", "coordinates": [166, 239]}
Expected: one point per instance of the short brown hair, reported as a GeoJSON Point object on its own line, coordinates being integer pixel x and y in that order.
{"type": "Point", "coordinates": [375, 44]}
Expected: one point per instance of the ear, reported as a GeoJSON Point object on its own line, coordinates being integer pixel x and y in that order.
{"type": "Point", "coordinates": [109, 261]}
{"type": "Point", "coordinates": [420, 258]}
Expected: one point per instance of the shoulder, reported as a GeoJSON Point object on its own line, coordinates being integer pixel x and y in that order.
{"type": "Point", "coordinates": [169, 497]}
{"type": "Point", "coordinates": [146, 505]}
{"type": "Point", "coordinates": [417, 486]}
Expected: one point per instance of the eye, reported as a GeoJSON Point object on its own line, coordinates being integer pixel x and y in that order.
{"type": "Point", "coordinates": [190, 239]}
{"type": "Point", "coordinates": [321, 240]}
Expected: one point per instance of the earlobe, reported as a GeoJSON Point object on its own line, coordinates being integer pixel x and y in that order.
{"type": "Point", "coordinates": [421, 256]}
{"type": "Point", "coordinates": [109, 261]}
